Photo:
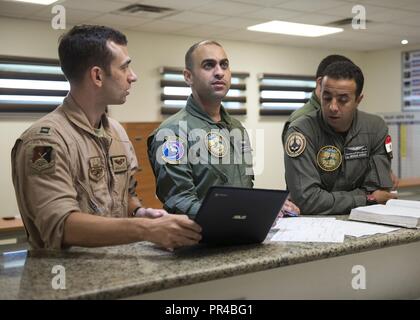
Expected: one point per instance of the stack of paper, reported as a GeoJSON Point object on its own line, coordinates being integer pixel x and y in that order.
{"type": "Point", "coordinates": [323, 229]}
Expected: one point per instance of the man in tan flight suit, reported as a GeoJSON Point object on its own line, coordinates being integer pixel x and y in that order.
{"type": "Point", "coordinates": [73, 170]}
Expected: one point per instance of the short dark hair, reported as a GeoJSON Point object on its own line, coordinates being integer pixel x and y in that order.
{"type": "Point", "coordinates": [188, 55]}
{"type": "Point", "coordinates": [346, 70]}
{"type": "Point", "coordinates": [327, 61]}
{"type": "Point", "coordinates": [85, 46]}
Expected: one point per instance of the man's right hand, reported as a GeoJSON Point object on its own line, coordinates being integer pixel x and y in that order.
{"type": "Point", "coordinates": [382, 196]}
{"type": "Point", "coordinates": [172, 231]}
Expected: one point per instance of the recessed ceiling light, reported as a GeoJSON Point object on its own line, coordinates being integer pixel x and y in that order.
{"type": "Point", "coordinates": [295, 29]}
{"type": "Point", "coordinates": [404, 41]}
{"type": "Point", "coordinates": [43, 2]}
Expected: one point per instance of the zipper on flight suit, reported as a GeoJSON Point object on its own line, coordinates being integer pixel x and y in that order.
{"type": "Point", "coordinates": [92, 204]}
{"type": "Point", "coordinates": [105, 153]}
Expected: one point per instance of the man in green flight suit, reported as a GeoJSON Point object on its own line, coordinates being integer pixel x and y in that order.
{"type": "Point", "coordinates": [313, 102]}
{"type": "Point", "coordinates": [201, 145]}
{"type": "Point", "coordinates": [338, 157]}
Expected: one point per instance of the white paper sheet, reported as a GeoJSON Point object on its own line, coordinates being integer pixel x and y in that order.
{"type": "Point", "coordinates": [323, 229]}
{"type": "Point", "coordinates": [308, 230]}
{"type": "Point", "coordinates": [360, 229]}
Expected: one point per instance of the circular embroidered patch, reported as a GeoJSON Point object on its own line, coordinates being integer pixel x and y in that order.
{"type": "Point", "coordinates": [216, 144]}
{"type": "Point", "coordinates": [329, 158]}
{"type": "Point", "coordinates": [173, 149]}
{"type": "Point", "coordinates": [295, 144]}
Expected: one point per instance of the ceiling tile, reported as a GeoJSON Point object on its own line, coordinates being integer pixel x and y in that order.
{"type": "Point", "coordinates": [173, 4]}
{"type": "Point", "coordinates": [410, 21]}
{"type": "Point", "coordinates": [264, 3]}
{"type": "Point", "coordinates": [18, 10]}
{"type": "Point", "coordinates": [314, 18]}
{"type": "Point", "coordinates": [237, 23]}
{"type": "Point", "coordinates": [226, 8]}
{"type": "Point", "coordinates": [162, 26]}
{"type": "Point", "coordinates": [243, 35]}
{"type": "Point", "coordinates": [73, 16]}
{"type": "Point", "coordinates": [390, 15]}
{"type": "Point", "coordinates": [392, 3]}
{"type": "Point", "coordinates": [310, 5]}
{"type": "Point", "coordinates": [274, 14]}
{"type": "Point", "coordinates": [104, 6]}
{"type": "Point", "coordinates": [194, 17]}
{"type": "Point", "coordinates": [202, 31]}
{"type": "Point", "coordinates": [119, 21]}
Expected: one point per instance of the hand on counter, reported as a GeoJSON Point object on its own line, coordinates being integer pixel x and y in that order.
{"type": "Point", "coordinates": [289, 209]}
{"type": "Point", "coordinates": [172, 231]}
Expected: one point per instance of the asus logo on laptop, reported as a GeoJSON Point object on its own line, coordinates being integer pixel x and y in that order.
{"type": "Point", "coordinates": [221, 195]}
{"type": "Point", "coordinates": [239, 217]}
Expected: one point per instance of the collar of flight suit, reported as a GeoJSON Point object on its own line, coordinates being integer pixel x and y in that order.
{"type": "Point", "coordinates": [194, 109]}
{"type": "Point", "coordinates": [353, 131]}
{"type": "Point", "coordinates": [315, 101]}
{"type": "Point", "coordinates": [77, 116]}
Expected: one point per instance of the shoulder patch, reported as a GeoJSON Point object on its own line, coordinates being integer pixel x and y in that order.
{"type": "Point", "coordinates": [41, 159]}
{"type": "Point", "coordinates": [329, 158]}
{"type": "Point", "coordinates": [173, 149]}
{"type": "Point", "coordinates": [295, 144]}
{"type": "Point", "coordinates": [388, 146]}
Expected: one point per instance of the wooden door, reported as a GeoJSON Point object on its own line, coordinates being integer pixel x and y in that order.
{"type": "Point", "coordinates": [146, 185]}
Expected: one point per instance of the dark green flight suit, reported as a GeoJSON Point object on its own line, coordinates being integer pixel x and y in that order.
{"type": "Point", "coordinates": [311, 105]}
{"type": "Point", "coordinates": [331, 173]}
{"type": "Point", "coordinates": [189, 166]}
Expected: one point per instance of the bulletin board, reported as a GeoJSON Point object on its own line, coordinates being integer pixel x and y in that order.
{"type": "Point", "coordinates": [411, 81]}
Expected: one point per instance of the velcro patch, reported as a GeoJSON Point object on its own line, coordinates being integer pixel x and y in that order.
{"type": "Point", "coordinates": [217, 144]}
{"type": "Point", "coordinates": [388, 146]}
{"type": "Point", "coordinates": [173, 149]}
{"type": "Point", "coordinates": [329, 158]}
{"type": "Point", "coordinates": [295, 144]}
{"type": "Point", "coordinates": [45, 131]}
{"type": "Point", "coordinates": [96, 169]}
{"type": "Point", "coordinates": [357, 152]}
{"type": "Point", "coordinates": [42, 158]}
{"type": "Point", "coordinates": [119, 164]}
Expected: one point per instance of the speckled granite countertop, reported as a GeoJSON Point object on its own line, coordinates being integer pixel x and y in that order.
{"type": "Point", "coordinates": [123, 271]}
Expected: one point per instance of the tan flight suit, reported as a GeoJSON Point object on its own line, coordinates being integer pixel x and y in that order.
{"type": "Point", "coordinates": [61, 164]}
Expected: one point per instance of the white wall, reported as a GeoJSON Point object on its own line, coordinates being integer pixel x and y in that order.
{"type": "Point", "coordinates": [382, 70]}
{"type": "Point", "coordinates": [150, 51]}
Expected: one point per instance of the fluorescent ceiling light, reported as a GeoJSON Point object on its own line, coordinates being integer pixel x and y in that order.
{"type": "Point", "coordinates": [295, 29]}
{"type": "Point", "coordinates": [43, 2]}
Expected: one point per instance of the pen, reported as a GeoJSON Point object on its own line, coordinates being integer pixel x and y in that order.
{"type": "Point", "coordinates": [290, 213]}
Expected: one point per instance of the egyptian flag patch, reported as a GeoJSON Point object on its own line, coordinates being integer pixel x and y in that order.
{"type": "Point", "coordinates": [388, 146]}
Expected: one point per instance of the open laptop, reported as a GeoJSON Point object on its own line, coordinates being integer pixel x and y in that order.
{"type": "Point", "coordinates": [232, 215]}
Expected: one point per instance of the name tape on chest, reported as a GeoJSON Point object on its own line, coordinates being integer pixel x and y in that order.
{"type": "Point", "coordinates": [357, 152]}
{"type": "Point", "coordinates": [119, 164]}
{"type": "Point", "coordinates": [329, 158]}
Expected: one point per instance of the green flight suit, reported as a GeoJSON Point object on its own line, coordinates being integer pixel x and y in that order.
{"type": "Point", "coordinates": [331, 173]}
{"type": "Point", "coordinates": [311, 105]}
{"type": "Point", "coordinates": [186, 168]}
